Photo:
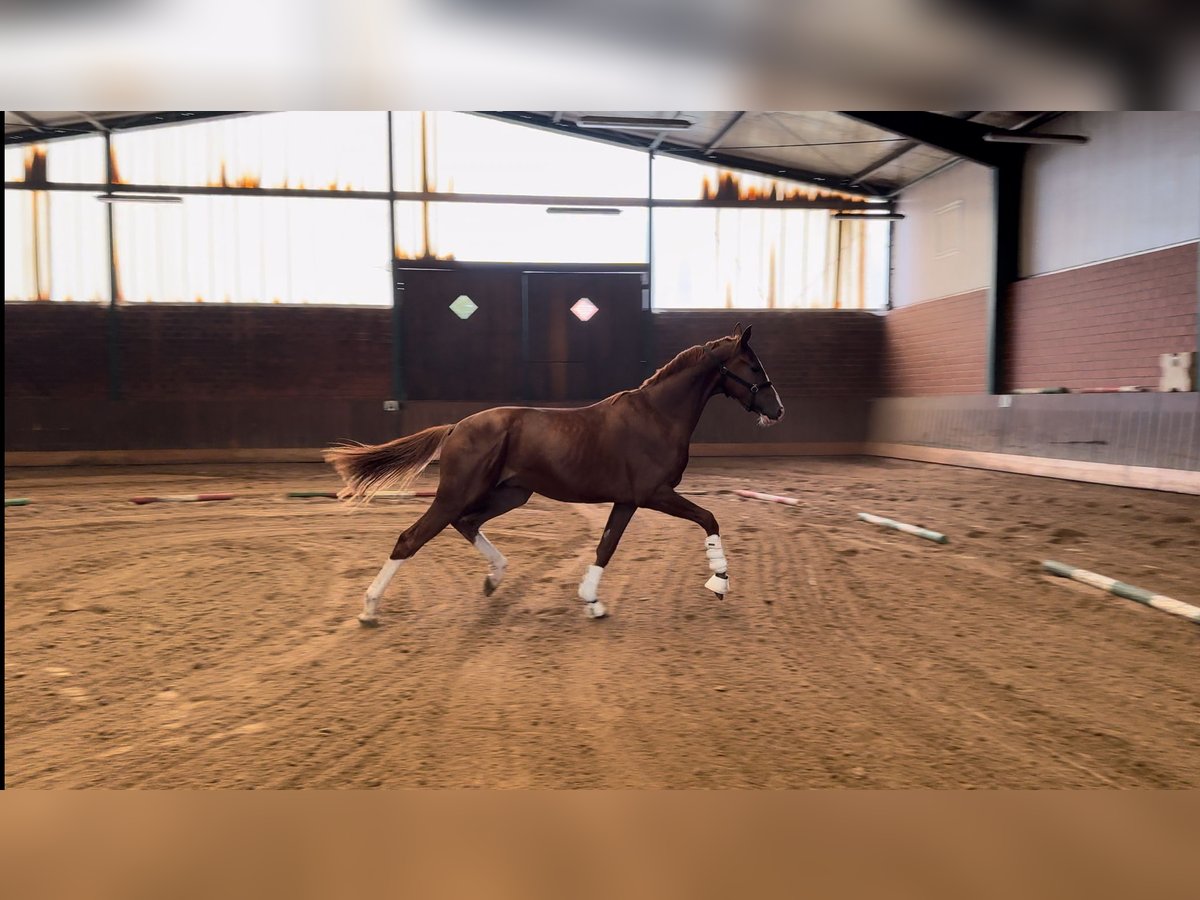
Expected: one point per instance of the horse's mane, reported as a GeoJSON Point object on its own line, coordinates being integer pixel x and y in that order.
{"type": "Point", "coordinates": [683, 360]}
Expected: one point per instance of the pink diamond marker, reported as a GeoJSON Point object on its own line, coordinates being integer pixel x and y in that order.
{"type": "Point", "coordinates": [584, 309]}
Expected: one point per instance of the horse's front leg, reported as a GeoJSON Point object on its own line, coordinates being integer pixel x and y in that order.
{"type": "Point", "coordinates": [669, 502]}
{"type": "Point", "coordinates": [590, 586]}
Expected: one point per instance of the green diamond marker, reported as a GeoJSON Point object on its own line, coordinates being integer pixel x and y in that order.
{"type": "Point", "coordinates": [463, 306]}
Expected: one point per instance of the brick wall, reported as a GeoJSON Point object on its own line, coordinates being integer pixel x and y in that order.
{"type": "Point", "coordinates": [55, 350]}
{"type": "Point", "coordinates": [198, 352]}
{"type": "Point", "coordinates": [814, 353]}
{"type": "Point", "coordinates": [824, 363]}
{"type": "Point", "coordinates": [251, 352]}
{"type": "Point", "coordinates": [210, 352]}
{"type": "Point", "coordinates": [937, 347]}
{"type": "Point", "coordinates": [1103, 325]}
{"type": "Point", "coordinates": [226, 376]}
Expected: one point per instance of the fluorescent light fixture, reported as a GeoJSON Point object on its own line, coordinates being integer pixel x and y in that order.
{"type": "Point", "coordinates": [139, 198]}
{"type": "Point", "coordinates": [878, 200]}
{"type": "Point", "coordinates": [634, 123]}
{"type": "Point", "coordinates": [1014, 137]}
{"type": "Point", "coordinates": [868, 216]}
{"type": "Point", "coordinates": [584, 210]}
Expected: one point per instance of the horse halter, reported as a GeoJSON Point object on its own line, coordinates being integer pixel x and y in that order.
{"type": "Point", "coordinates": [750, 386]}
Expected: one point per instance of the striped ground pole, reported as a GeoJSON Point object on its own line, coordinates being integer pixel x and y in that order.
{"type": "Point", "coordinates": [181, 498]}
{"type": "Point", "coordinates": [16, 501]}
{"type": "Point", "coordinates": [1128, 591]}
{"type": "Point", "coordinates": [936, 536]}
{"type": "Point", "coordinates": [770, 498]}
{"type": "Point", "coordinates": [382, 495]}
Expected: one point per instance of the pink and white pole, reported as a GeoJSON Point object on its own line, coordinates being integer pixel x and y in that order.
{"type": "Point", "coordinates": [181, 498]}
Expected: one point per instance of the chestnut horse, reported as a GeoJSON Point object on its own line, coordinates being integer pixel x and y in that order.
{"type": "Point", "coordinates": [629, 450]}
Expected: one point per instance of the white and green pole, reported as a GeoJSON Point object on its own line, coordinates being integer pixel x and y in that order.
{"type": "Point", "coordinates": [936, 536]}
{"type": "Point", "coordinates": [1128, 591]}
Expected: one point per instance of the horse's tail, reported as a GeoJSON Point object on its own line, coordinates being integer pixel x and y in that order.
{"type": "Point", "coordinates": [368, 469]}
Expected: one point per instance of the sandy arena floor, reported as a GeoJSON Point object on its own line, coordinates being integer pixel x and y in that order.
{"type": "Point", "coordinates": [214, 644]}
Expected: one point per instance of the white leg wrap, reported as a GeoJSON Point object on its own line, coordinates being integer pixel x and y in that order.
{"type": "Point", "coordinates": [496, 561]}
{"type": "Point", "coordinates": [715, 553]}
{"type": "Point", "coordinates": [588, 589]}
{"type": "Point", "coordinates": [590, 585]}
{"type": "Point", "coordinates": [717, 564]}
{"type": "Point", "coordinates": [378, 586]}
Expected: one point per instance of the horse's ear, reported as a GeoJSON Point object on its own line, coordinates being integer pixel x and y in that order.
{"type": "Point", "coordinates": [737, 330]}
{"type": "Point", "coordinates": [744, 337]}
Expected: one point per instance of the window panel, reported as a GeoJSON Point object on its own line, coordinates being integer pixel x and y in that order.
{"type": "Point", "coordinates": [496, 232]}
{"type": "Point", "coordinates": [55, 246]}
{"type": "Point", "coordinates": [758, 258]}
{"type": "Point", "coordinates": [77, 160]}
{"type": "Point", "coordinates": [22, 278]}
{"type": "Point", "coordinates": [306, 250]}
{"type": "Point", "coordinates": [70, 160]}
{"type": "Point", "coordinates": [315, 150]}
{"type": "Point", "coordinates": [865, 265]}
{"type": "Point", "coordinates": [254, 250]}
{"type": "Point", "coordinates": [16, 160]}
{"type": "Point", "coordinates": [474, 155]}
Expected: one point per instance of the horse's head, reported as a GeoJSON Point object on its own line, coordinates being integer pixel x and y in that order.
{"type": "Point", "coordinates": [743, 377]}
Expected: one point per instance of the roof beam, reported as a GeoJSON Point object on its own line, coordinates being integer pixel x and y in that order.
{"type": "Point", "coordinates": [899, 152]}
{"type": "Point", "coordinates": [29, 120]}
{"type": "Point", "coordinates": [952, 135]}
{"type": "Point", "coordinates": [93, 125]}
{"type": "Point", "coordinates": [96, 123]}
{"type": "Point", "coordinates": [725, 129]}
{"type": "Point", "coordinates": [662, 136]}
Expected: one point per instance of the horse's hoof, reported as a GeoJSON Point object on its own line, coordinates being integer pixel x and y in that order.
{"type": "Point", "coordinates": [595, 610]}
{"type": "Point", "coordinates": [368, 621]}
{"type": "Point", "coordinates": [489, 586]}
{"type": "Point", "coordinates": [718, 584]}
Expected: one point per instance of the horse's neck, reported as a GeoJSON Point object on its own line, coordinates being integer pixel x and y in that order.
{"type": "Point", "coordinates": [683, 395]}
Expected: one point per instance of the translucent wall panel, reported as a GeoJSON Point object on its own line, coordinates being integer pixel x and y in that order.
{"type": "Point", "coordinates": [254, 250]}
{"type": "Point", "coordinates": [79, 160]}
{"type": "Point", "coordinates": [15, 161]}
{"type": "Point", "coordinates": [865, 265]}
{"type": "Point", "coordinates": [408, 150]}
{"type": "Point", "coordinates": [495, 232]}
{"type": "Point", "coordinates": [756, 258]}
{"type": "Point", "coordinates": [680, 179]}
{"type": "Point", "coordinates": [23, 234]}
{"type": "Point", "coordinates": [55, 246]}
{"type": "Point", "coordinates": [315, 150]}
{"type": "Point", "coordinates": [70, 160]}
{"type": "Point", "coordinates": [473, 155]}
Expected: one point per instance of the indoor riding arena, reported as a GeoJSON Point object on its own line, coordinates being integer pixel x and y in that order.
{"type": "Point", "coordinates": [946, 420]}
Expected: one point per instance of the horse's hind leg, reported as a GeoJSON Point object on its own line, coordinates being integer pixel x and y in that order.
{"type": "Point", "coordinates": [470, 463]}
{"type": "Point", "coordinates": [440, 514]}
{"type": "Point", "coordinates": [503, 498]}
